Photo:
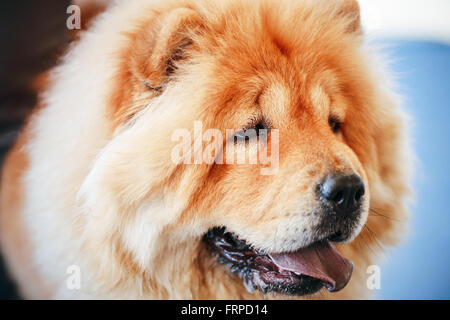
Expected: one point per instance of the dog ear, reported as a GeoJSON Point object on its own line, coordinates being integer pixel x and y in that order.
{"type": "Point", "coordinates": [155, 50]}
{"type": "Point", "coordinates": [163, 46]}
{"type": "Point", "coordinates": [349, 9]}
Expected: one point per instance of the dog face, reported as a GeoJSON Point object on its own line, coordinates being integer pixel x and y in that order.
{"type": "Point", "coordinates": [294, 74]}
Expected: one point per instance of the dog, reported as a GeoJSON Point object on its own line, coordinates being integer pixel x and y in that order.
{"type": "Point", "coordinates": [93, 204]}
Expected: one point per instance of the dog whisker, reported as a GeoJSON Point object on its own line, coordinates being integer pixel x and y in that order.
{"type": "Point", "coordinates": [376, 213]}
{"type": "Point", "coordinates": [373, 236]}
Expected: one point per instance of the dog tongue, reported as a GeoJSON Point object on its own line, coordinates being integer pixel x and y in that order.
{"type": "Point", "coordinates": [319, 260]}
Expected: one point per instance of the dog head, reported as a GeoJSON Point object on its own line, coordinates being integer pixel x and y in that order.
{"type": "Point", "coordinates": [287, 80]}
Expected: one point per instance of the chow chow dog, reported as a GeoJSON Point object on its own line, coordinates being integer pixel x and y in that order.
{"type": "Point", "coordinates": [91, 190]}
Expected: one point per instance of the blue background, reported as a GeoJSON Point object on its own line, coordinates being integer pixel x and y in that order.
{"type": "Point", "coordinates": [420, 267]}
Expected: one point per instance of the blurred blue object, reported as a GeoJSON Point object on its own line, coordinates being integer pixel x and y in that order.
{"type": "Point", "coordinates": [420, 267]}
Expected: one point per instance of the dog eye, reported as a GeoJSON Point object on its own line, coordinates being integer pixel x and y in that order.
{"type": "Point", "coordinates": [150, 87]}
{"type": "Point", "coordinates": [251, 132]}
{"type": "Point", "coordinates": [335, 124]}
{"type": "Point", "coordinates": [260, 126]}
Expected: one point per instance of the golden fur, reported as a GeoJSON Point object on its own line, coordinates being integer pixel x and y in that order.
{"type": "Point", "coordinates": [91, 182]}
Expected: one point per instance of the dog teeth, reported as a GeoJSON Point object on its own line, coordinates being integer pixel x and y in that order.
{"type": "Point", "coordinates": [235, 268]}
{"type": "Point", "coordinates": [281, 270]}
{"type": "Point", "coordinates": [248, 284]}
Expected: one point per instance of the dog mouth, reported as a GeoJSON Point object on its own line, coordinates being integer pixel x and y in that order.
{"type": "Point", "coordinates": [301, 272]}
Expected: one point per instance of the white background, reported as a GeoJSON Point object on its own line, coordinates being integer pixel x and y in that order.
{"type": "Point", "coordinates": [410, 19]}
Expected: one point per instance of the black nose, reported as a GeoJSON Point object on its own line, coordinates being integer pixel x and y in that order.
{"type": "Point", "coordinates": [343, 192]}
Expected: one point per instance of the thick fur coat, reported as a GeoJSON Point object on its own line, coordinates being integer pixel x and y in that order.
{"type": "Point", "coordinates": [90, 182]}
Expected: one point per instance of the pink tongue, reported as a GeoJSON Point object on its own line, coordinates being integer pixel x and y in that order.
{"type": "Point", "coordinates": [319, 260]}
